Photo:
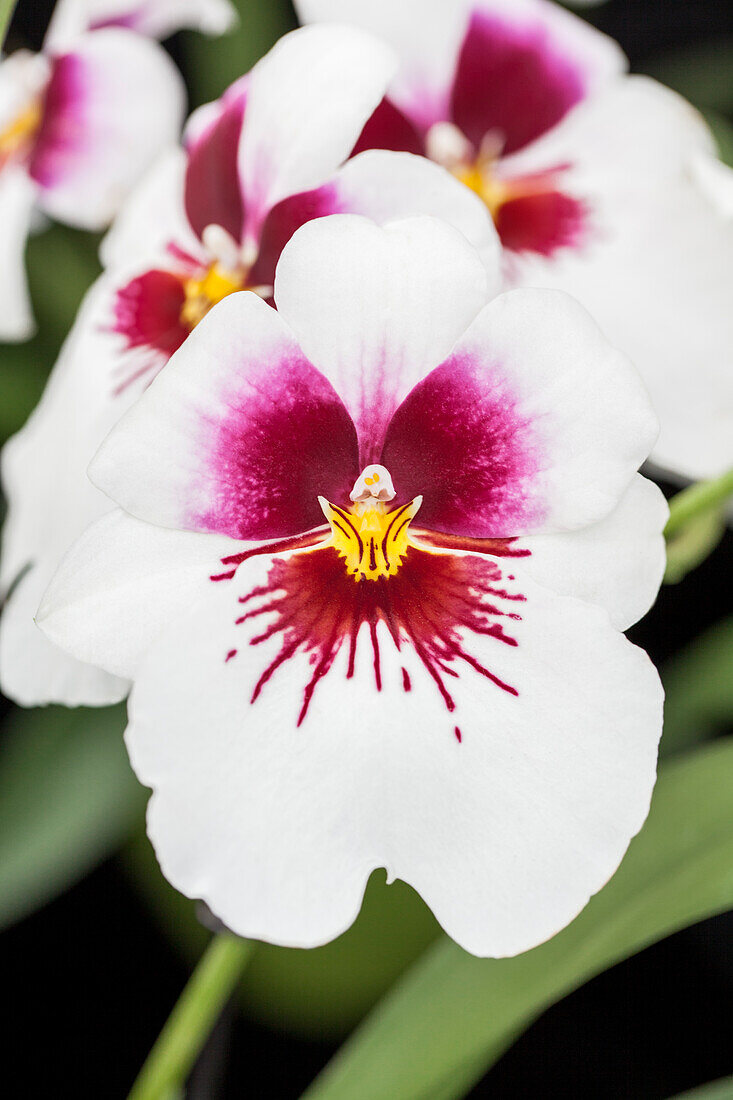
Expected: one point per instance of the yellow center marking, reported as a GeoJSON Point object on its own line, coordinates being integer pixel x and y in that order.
{"type": "Point", "coordinates": [371, 540]}
{"type": "Point", "coordinates": [21, 131]}
{"type": "Point", "coordinates": [202, 294]}
{"type": "Point", "coordinates": [480, 179]}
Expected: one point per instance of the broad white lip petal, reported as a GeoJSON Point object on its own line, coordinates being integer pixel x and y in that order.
{"type": "Point", "coordinates": [156, 18]}
{"type": "Point", "coordinates": [384, 304]}
{"type": "Point", "coordinates": [307, 101]}
{"type": "Point", "coordinates": [505, 834]}
{"type": "Point", "coordinates": [99, 134]}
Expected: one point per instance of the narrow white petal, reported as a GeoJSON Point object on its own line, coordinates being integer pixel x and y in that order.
{"type": "Point", "coordinates": [374, 308]}
{"type": "Point", "coordinates": [307, 102]}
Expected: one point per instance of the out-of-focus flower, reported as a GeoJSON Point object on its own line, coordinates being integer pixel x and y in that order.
{"type": "Point", "coordinates": [78, 128]}
{"type": "Point", "coordinates": [433, 681]}
{"type": "Point", "coordinates": [593, 179]}
{"type": "Point", "coordinates": [155, 18]}
{"type": "Point", "coordinates": [208, 222]}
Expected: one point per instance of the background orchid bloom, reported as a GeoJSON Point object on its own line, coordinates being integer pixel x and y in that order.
{"type": "Point", "coordinates": [79, 126]}
{"type": "Point", "coordinates": [433, 681]}
{"type": "Point", "coordinates": [154, 18]}
{"type": "Point", "coordinates": [206, 223]}
{"type": "Point", "coordinates": [593, 179]}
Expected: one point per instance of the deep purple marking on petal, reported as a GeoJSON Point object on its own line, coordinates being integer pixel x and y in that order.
{"type": "Point", "coordinates": [459, 440]}
{"type": "Point", "coordinates": [213, 195]}
{"type": "Point", "coordinates": [283, 220]}
{"type": "Point", "coordinates": [389, 128]}
{"type": "Point", "coordinates": [544, 222]}
{"type": "Point", "coordinates": [64, 132]}
{"type": "Point", "coordinates": [285, 438]}
{"type": "Point", "coordinates": [513, 79]}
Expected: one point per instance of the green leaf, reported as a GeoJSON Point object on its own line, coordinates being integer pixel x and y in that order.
{"type": "Point", "coordinates": [693, 544]}
{"type": "Point", "coordinates": [699, 689]}
{"type": "Point", "coordinates": [452, 1015]}
{"type": "Point", "coordinates": [318, 994]}
{"type": "Point", "coordinates": [716, 1090]}
{"type": "Point", "coordinates": [68, 799]}
{"type": "Point", "coordinates": [723, 130]}
{"type": "Point", "coordinates": [211, 64]}
{"type": "Point", "coordinates": [700, 73]}
{"type": "Point", "coordinates": [6, 11]}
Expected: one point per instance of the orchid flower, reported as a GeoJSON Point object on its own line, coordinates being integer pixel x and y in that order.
{"type": "Point", "coordinates": [593, 178]}
{"type": "Point", "coordinates": [369, 572]}
{"type": "Point", "coordinates": [76, 133]}
{"type": "Point", "coordinates": [206, 223]}
{"type": "Point", "coordinates": [153, 18]}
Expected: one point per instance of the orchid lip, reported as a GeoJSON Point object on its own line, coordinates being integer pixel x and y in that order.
{"type": "Point", "coordinates": [373, 543]}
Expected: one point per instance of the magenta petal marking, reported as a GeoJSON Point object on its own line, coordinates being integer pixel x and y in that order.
{"type": "Point", "coordinates": [147, 312]}
{"type": "Point", "coordinates": [543, 222]}
{"type": "Point", "coordinates": [459, 440]}
{"type": "Point", "coordinates": [283, 220]}
{"type": "Point", "coordinates": [64, 132]}
{"type": "Point", "coordinates": [285, 438]}
{"type": "Point", "coordinates": [213, 195]}
{"type": "Point", "coordinates": [513, 79]}
{"type": "Point", "coordinates": [389, 128]}
{"type": "Point", "coordinates": [432, 605]}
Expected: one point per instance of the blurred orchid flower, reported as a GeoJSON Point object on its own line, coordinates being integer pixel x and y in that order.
{"type": "Point", "coordinates": [154, 18]}
{"type": "Point", "coordinates": [594, 182]}
{"type": "Point", "coordinates": [76, 133]}
{"type": "Point", "coordinates": [433, 680]}
{"type": "Point", "coordinates": [208, 221]}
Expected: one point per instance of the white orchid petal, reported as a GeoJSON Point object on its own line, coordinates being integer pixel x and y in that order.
{"type": "Point", "coordinates": [307, 102]}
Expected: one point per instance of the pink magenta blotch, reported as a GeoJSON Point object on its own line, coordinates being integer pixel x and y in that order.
{"type": "Point", "coordinates": [510, 86]}
{"type": "Point", "coordinates": [64, 130]}
{"type": "Point", "coordinates": [448, 583]}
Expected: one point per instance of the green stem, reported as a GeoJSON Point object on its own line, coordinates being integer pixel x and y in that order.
{"type": "Point", "coordinates": [697, 499]}
{"type": "Point", "coordinates": [6, 11]}
{"type": "Point", "coordinates": [189, 1024]}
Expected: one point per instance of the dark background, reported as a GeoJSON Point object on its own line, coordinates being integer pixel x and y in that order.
{"type": "Point", "coordinates": [90, 979]}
